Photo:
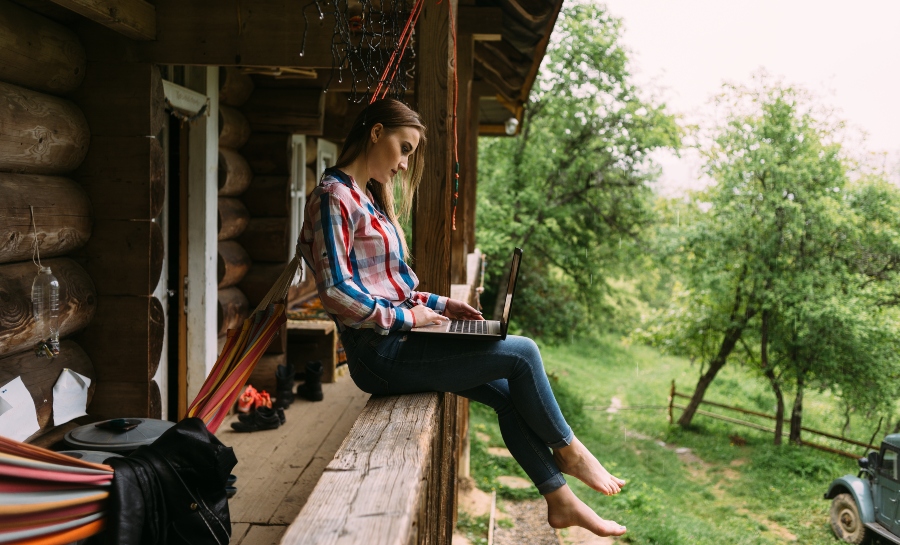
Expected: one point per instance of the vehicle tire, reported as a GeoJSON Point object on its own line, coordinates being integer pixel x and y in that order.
{"type": "Point", "coordinates": [845, 520]}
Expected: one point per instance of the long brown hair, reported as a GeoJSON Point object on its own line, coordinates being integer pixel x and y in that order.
{"type": "Point", "coordinates": [392, 114]}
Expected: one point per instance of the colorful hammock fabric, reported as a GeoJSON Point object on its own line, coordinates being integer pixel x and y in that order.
{"type": "Point", "coordinates": [47, 498]}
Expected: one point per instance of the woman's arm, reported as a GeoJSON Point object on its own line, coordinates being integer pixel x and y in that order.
{"type": "Point", "coordinates": [330, 236]}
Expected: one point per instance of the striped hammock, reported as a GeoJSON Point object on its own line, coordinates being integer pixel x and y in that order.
{"type": "Point", "coordinates": [47, 498]}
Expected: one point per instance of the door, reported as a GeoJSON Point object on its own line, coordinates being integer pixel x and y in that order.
{"type": "Point", "coordinates": [887, 493]}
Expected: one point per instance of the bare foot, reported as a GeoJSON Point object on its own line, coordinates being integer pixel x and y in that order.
{"type": "Point", "coordinates": [564, 509]}
{"type": "Point", "coordinates": [576, 460]}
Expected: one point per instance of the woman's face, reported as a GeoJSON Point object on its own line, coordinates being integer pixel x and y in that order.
{"type": "Point", "coordinates": [390, 150]}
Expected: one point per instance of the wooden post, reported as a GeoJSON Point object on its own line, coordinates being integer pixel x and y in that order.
{"type": "Point", "coordinates": [671, 401]}
{"type": "Point", "coordinates": [459, 240]}
{"type": "Point", "coordinates": [203, 150]}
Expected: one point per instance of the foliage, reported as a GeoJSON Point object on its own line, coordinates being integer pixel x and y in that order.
{"type": "Point", "coordinates": [571, 189]}
{"type": "Point", "coordinates": [792, 256]}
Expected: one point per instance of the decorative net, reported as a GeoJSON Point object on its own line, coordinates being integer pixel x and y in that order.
{"type": "Point", "coordinates": [367, 35]}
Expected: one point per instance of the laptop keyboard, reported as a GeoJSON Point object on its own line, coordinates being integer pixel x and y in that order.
{"type": "Point", "coordinates": [468, 326]}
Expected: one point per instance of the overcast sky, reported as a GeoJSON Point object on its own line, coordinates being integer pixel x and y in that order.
{"type": "Point", "coordinates": [847, 53]}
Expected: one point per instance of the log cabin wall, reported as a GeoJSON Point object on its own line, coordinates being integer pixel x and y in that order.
{"type": "Point", "coordinates": [44, 137]}
{"type": "Point", "coordinates": [124, 177]}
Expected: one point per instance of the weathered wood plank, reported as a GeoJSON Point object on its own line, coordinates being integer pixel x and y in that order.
{"type": "Point", "coordinates": [40, 134]}
{"type": "Point", "coordinates": [124, 341]}
{"type": "Point", "coordinates": [266, 239]}
{"type": "Point", "coordinates": [458, 238]}
{"type": "Point", "coordinates": [62, 215]}
{"type": "Point", "coordinates": [431, 219]}
{"type": "Point", "coordinates": [124, 257]}
{"type": "Point", "coordinates": [371, 492]}
{"type": "Point", "coordinates": [233, 218]}
{"type": "Point", "coordinates": [40, 375]}
{"type": "Point", "coordinates": [135, 19]}
{"type": "Point", "coordinates": [124, 177]}
{"type": "Point", "coordinates": [234, 129]}
{"type": "Point", "coordinates": [258, 33]}
{"type": "Point", "coordinates": [238, 531]}
{"type": "Point", "coordinates": [38, 53]}
{"type": "Point", "coordinates": [262, 533]}
{"type": "Point", "coordinates": [235, 87]}
{"type": "Point", "coordinates": [233, 309]}
{"type": "Point", "coordinates": [234, 173]}
{"type": "Point", "coordinates": [78, 302]}
{"type": "Point", "coordinates": [268, 196]}
{"type": "Point", "coordinates": [233, 263]}
{"type": "Point", "coordinates": [268, 153]}
{"type": "Point", "coordinates": [122, 98]}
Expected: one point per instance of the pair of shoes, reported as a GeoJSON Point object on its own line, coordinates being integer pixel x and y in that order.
{"type": "Point", "coordinates": [311, 389]}
{"type": "Point", "coordinates": [284, 390]}
{"type": "Point", "coordinates": [251, 399]}
{"type": "Point", "coordinates": [263, 418]}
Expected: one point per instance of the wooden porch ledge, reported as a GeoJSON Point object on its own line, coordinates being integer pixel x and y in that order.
{"type": "Point", "coordinates": [391, 481]}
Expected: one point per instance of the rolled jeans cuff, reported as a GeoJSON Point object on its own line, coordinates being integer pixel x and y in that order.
{"type": "Point", "coordinates": [553, 483]}
{"type": "Point", "coordinates": [566, 441]}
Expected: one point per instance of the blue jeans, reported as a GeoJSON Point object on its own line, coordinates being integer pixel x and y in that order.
{"type": "Point", "coordinates": [506, 375]}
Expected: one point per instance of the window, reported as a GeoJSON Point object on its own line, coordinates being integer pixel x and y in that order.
{"type": "Point", "coordinates": [888, 463]}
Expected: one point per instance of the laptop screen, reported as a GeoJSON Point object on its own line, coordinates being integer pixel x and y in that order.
{"type": "Point", "coordinates": [511, 287]}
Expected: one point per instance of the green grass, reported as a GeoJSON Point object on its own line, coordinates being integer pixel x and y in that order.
{"type": "Point", "coordinates": [755, 493]}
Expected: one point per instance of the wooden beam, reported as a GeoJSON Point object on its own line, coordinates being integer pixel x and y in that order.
{"type": "Point", "coordinates": [431, 219]}
{"type": "Point", "coordinates": [235, 33]}
{"type": "Point", "coordinates": [135, 19]}
{"type": "Point", "coordinates": [500, 65]}
{"type": "Point", "coordinates": [528, 11]}
{"type": "Point", "coordinates": [483, 24]}
{"type": "Point", "coordinates": [458, 241]}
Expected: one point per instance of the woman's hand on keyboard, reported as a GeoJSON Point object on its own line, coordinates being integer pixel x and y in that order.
{"type": "Point", "coordinates": [425, 316]}
{"type": "Point", "coordinates": [459, 310]}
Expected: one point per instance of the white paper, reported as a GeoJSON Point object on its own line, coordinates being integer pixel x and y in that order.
{"type": "Point", "coordinates": [18, 417]}
{"type": "Point", "coordinates": [70, 395]}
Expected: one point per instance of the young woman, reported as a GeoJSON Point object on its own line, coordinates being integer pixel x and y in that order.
{"type": "Point", "coordinates": [352, 240]}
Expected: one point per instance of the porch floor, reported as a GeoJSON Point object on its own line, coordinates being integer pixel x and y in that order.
{"type": "Point", "coordinates": [278, 469]}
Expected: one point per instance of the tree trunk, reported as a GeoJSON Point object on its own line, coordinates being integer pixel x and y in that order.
{"type": "Point", "coordinates": [728, 343]}
{"type": "Point", "coordinates": [797, 412]}
{"type": "Point", "coordinates": [773, 380]}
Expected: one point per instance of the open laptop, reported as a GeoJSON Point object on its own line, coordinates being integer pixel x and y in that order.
{"type": "Point", "coordinates": [482, 329]}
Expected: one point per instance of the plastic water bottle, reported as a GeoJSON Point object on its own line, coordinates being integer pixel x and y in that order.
{"type": "Point", "coordinates": [45, 303]}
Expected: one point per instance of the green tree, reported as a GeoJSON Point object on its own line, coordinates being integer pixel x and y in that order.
{"type": "Point", "coordinates": [789, 266]}
{"type": "Point", "coordinates": [572, 187]}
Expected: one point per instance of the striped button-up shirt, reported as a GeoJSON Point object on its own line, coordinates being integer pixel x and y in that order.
{"type": "Point", "coordinates": [354, 252]}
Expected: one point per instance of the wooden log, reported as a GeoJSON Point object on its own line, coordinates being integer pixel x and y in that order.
{"type": "Point", "coordinates": [259, 280]}
{"type": "Point", "coordinates": [298, 110]}
{"type": "Point", "coordinates": [122, 98]}
{"type": "Point", "coordinates": [235, 87]}
{"type": "Point", "coordinates": [337, 125]}
{"type": "Point", "coordinates": [233, 218]}
{"type": "Point", "coordinates": [135, 19]}
{"type": "Point", "coordinates": [155, 401]}
{"type": "Point", "coordinates": [124, 257]}
{"type": "Point", "coordinates": [124, 341]}
{"type": "Point", "coordinates": [263, 375]}
{"type": "Point", "coordinates": [311, 180]}
{"type": "Point", "coordinates": [77, 305]}
{"type": "Point", "coordinates": [62, 216]}
{"type": "Point", "coordinates": [38, 53]}
{"type": "Point", "coordinates": [233, 263]}
{"type": "Point", "coordinates": [388, 455]}
{"type": "Point", "coordinates": [268, 153]}
{"type": "Point", "coordinates": [312, 150]}
{"type": "Point", "coordinates": [266, 239]}
{"type": "Point", "coordinates": [124, 177]}
{"type": "Point", "coordinates": [234, 129]}
{"type": "Point", "coordinates": [234, 173]}
{"type": "Point", "coordinates": [40, 375]}
{"type": "Point", "coordinates": [233, 309]}
{"type": "Point", "coordinates": [40, 134]}
{"type": "Point", "coordinates": [268, 196]}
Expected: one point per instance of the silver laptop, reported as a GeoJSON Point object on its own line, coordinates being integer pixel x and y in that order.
{"type": "Point", "coordinates": [482, 329]}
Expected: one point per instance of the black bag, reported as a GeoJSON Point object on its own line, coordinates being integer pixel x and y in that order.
{"type": "Point", "coordinates": [171, 491]}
